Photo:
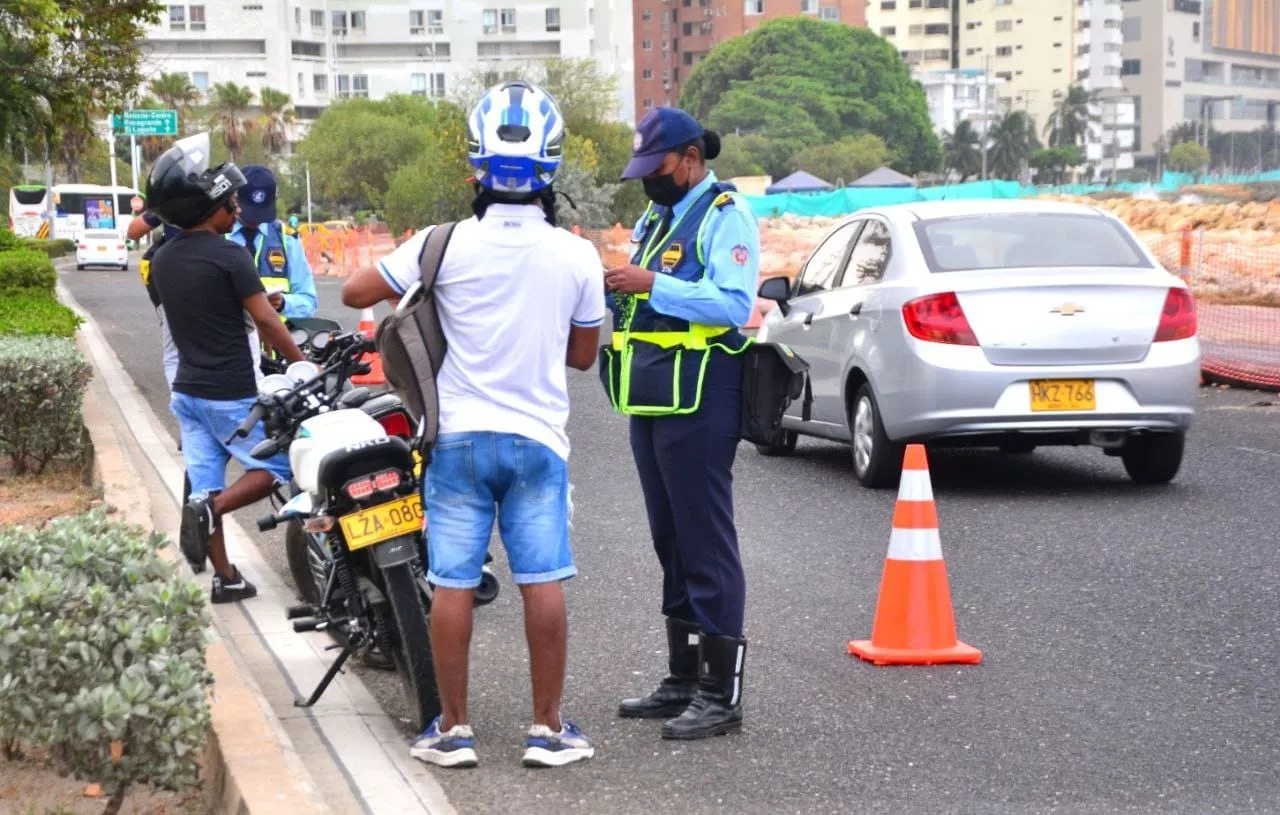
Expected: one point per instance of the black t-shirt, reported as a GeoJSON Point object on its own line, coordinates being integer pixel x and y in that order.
{"type": "Point", "coordinates": [203, 280]}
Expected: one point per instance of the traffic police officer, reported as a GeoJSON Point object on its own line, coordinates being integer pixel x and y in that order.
{"type": "Point", "coordinates": [279, 258]}
{"type": "Point", "coordinates": [674, 367]}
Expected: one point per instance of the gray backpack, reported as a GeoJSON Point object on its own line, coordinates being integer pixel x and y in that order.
{"type": "Point", "coordinates": [412, 344]}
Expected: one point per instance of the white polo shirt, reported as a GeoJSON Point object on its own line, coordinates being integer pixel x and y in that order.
{"type": "Point", "coordinates": [508, 290]}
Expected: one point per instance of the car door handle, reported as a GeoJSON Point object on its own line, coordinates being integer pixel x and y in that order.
{"type": "Point", "coordinates": [808, 319]}
{"type": "Point", "coordinates": [856, 310]}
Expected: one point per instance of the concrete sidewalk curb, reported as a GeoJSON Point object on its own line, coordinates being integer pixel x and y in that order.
{"type": "Point", "coordinates": [250, 765]}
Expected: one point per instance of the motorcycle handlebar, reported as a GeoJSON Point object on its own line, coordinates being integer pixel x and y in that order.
{"type": "Point", "coordinates": [255, 416]}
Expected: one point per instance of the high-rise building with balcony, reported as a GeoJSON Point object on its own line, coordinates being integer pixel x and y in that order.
{"type": "Point", "coordinates": [1214, 63]}
{"type": "Point", "coordinates": [672, 35]}
{"type": "Point", "coordinates": [1034, 50]}
{"type": "Point", "coordinates": [319, 51]}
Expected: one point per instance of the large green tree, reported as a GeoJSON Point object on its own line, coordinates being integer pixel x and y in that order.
{"type": "Point", "coordinates": [846, 160]}
{"type": "Point", "coordinates": [803, 82]}
{"type": "Point", "coordinates": [59, 56]}
{"type": "Point", "coordinates": [357, 146]}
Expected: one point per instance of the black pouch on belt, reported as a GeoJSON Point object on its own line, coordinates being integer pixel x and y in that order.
{"type": "Point", "coordinates": [772, 378]}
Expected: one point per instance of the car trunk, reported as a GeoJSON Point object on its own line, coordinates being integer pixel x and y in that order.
{"type": "Point", "coordinates": [1063, 316]}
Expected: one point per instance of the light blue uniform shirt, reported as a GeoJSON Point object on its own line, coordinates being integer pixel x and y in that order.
{"type": "Point", "coordinates": [300, 301]}
{"type": "Point", "coordinates": [726, 294]}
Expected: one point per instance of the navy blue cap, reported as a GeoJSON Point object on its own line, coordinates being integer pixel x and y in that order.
{"type": "Point", "coordinates": [258, 195]}
{"type": "Point", "coordinates": [658, 133]}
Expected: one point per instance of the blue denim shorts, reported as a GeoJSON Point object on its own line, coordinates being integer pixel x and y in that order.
{"type": "Point", "coordinates": [206, 424]}
{"type": "Point", "coordinates": [477, 478]}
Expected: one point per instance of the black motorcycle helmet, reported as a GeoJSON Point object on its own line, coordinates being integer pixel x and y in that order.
{"type": "Point", "coordinates": [181, 189]}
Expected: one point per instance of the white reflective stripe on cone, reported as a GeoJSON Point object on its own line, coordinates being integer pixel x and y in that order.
{"type": "Point", "coordinates": [915, 486]}
{"type": "Point", "coordinates": [915, 544]}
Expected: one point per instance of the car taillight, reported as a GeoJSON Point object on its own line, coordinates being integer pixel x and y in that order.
{"type": "Point", "coordinates": [938, 318]}
{"type": "Point", "coordinates": [396, 424]}
{"type": "Point", "coordinates": [362, 488]}
{"type": "Point", "coordinates": [1177, 317]}
{"type": "Point", "coordinates": [120, 246]}
{"type": "Point", "coordinates": [84, 246]}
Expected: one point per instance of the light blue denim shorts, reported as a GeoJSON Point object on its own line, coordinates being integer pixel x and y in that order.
{"type": "Point", "coordinates": [479, 477]}
{"type": "Point", "coordinates": [205, 425]}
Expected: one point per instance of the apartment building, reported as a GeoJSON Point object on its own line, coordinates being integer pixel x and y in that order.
{"type": "Point", "coordinates": [320, 51]}
{"type": "Point", "coordinates": [1034, 49]}
{"type": "Point", "coordinates": [672, 35]}
{"type": "Point", "coordinates": [956, 95]}
{"type": "Point", "coordinates": [1215, 63]}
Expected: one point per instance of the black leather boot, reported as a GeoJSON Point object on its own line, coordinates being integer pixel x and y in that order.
{"type": "Point", "coordinates": [676, 691]}
{"type": "Point", "coordinates": [717, 709]}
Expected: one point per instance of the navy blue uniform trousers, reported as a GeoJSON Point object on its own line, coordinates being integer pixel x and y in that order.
{"type": "Point", "coordinates": [686, 472]}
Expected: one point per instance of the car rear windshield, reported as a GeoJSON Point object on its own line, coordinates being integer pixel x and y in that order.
{"type": "Point", "coordinates": [1026, 240]}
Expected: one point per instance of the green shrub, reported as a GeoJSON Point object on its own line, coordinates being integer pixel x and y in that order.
{"type": "Point", "coordinates": [26, 269]}
{"type": "Point", "coordinates": [101, 642]}
{"type": "Point", "coordinates": [51, 249]}
{"type": "Point", "coordinates": [8, 240]}
{"type": "Point", "coordinates": [35, 312]}
{"type": "Point", "coordinates": [42, 383]}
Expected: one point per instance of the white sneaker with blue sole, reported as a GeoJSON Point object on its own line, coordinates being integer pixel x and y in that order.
{"type": "Point", "coordinates": [546, 748]}
{"type": "Point", "coordinates": [455, 747]}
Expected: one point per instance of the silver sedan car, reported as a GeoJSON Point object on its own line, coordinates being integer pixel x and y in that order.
{"type": "Point", "coordinates": [1009, 324]}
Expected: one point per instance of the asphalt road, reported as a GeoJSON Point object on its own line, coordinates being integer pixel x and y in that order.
{"type": "Point", "coordinates": [1130, 634]}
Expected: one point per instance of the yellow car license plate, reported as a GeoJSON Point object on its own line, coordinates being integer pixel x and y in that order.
{"type": "Point", "coordinates": [402, 516]}
{"type": "Point", "coordinates": [1062, 394]}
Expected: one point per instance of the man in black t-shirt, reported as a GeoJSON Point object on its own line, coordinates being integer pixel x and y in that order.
{"type": "Point", "coordinates": [212, 298]}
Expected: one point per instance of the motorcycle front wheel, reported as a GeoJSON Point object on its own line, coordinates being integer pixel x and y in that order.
{"type": "Point", "coordinates": [411, 644]}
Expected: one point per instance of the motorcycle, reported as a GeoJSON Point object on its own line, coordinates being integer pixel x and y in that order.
{"type": "Point", "coordinates": [357, 502]}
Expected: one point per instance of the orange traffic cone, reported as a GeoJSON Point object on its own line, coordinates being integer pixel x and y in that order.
{"type": "Point", "coordinates": [375, 376]}
{"type": "Point", "coordinates": [914, 622]}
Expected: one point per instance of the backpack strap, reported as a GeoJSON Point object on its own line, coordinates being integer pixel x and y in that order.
{"type": "Point", "coordinates": [433, 253]}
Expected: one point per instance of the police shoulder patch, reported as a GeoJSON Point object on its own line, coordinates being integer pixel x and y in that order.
{"type": "Point", "coordinates": [723, 200]}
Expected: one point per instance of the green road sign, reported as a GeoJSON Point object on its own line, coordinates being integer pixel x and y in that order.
{"type": "Point", "coordinates": [146, 123]}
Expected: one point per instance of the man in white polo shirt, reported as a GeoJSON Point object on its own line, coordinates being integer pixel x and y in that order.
{"type": "Point", "coordinates": [518, 299]}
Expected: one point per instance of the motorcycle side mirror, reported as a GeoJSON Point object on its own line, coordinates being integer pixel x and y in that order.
{"type": "Point", "coordinates": [777, 289]}
{"type": "Point", "coordinates": [355, 397]}
{"type": "Point", "coordinates": [265, 449]}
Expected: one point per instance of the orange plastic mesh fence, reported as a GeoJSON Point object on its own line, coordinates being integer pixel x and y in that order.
{"type": "Point", "coordinates": [1235, 276]}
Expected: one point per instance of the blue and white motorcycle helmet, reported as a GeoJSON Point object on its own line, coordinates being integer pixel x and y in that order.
{"type": "Point", "coordinates": [515, 138]}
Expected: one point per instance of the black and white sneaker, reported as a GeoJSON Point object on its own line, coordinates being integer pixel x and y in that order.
{"type": "Point", "coordinates": [198, 525]}
{"type": "Point", "coordinates": [229, 590]}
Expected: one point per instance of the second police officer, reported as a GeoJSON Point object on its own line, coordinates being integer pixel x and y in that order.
{"type": "Point", "coordinates": [279, 257]}
{"type": "Point", "coordinates": [675, 367]}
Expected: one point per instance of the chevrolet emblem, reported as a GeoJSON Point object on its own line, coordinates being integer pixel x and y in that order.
{"type": "Point", "coordinates": [1067, 310]}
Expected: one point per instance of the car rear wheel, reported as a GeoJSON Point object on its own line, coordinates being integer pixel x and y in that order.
{"type": "Point", "coordinates": [784, 444]}
{"type": "Point", "coordinates": [1154, 458]}
{"type": "Point", "coordinates": [79, 267]}
{"type": "Point", "coordinates": [877, 461]}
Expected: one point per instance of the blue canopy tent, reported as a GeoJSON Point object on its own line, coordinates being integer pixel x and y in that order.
{"type": "Point", "coordinates": [799, 181]}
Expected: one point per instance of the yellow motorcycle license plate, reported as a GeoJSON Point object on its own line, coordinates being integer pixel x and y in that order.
{"type": "Point", "coordinates": [402, 516]}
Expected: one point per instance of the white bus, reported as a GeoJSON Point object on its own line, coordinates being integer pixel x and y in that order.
{"type": "Point", "coordinates": [77, 207]}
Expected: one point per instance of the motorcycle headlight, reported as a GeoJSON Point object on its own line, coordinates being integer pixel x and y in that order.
{"type": "Point", "coordinates": [299, 372]}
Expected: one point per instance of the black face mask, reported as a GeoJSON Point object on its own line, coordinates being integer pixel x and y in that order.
{"type": "Point", "coordinates": [664, 191]}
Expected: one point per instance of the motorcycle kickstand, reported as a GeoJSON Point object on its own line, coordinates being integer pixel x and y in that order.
{"type": "Point", "coordinates": [334, 669]}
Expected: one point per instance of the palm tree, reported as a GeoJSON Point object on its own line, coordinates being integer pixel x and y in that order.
{"type": "Point", "coordinates": [1013, 140]}
{"type": "Point", "coordinates": [228, 103]}
{"type": "Point", "coordinates": [175, 92]}
{"type": "Point", "coordinates": [277, 115]}
{"type": "Point", "coordinates": [963, 150]}
{"type": "Point", "coordinates": [1068, 125]}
